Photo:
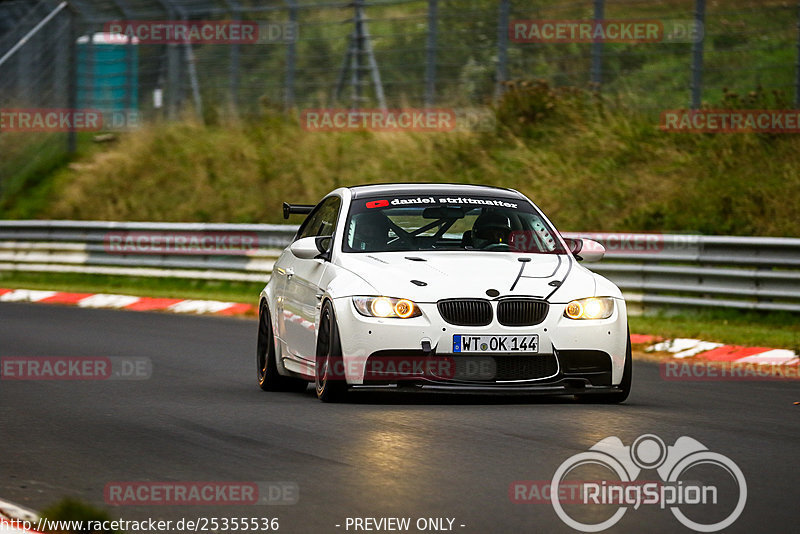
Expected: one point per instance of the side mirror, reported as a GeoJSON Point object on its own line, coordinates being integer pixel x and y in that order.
{"type": "Point", "coordinates": [324, 245]}
{"type": "Point", "coordinates": [586, 250]}
{"type": "Point", "coordinates": [309, 248]}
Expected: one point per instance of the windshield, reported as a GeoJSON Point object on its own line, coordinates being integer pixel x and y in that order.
{"type": "Point", "coordinates": [435, 222]}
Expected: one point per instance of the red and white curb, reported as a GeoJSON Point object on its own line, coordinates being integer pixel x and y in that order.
{"type": "Point", "coordinates": [10, 527]}
{"type": "Point", "coordinates": [698, 349]}
{"type": "Point", "coordinates": [127, 302]}
{"type": "Point", "coordinates": [680, 348]}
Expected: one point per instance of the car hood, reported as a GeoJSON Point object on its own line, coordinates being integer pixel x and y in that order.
{"type": "Point", "coordinates": [470, 274]}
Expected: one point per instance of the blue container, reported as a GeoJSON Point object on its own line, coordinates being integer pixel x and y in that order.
{"type": "Point", "coordinates": [108, 73]}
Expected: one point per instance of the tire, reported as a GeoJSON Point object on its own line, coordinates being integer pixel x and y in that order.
{"type": "Point", "coordinates": [625, 384]}
{"type": "Point", "coordinates": [268, 377]}
{"type": "Point", "coordinates": [329, 386]}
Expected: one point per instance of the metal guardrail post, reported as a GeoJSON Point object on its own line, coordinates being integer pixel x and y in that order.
{"type": "Point", "coordinates": [291, 59]}
{"type": "Point", "coordinates": [501, 74]}
{"type": "Point", "coordinates": [72, 76]}
{"type": "Point", "coordinates": [697, 55]}
{"type": "Point", "coordinates": [797, 64]}
{"type": "Point", "coordinates": [597, 47]}
{"type": "Point", "coordinates": [233, 72]}
{"type": "Point", "coordinates": [430, 53]}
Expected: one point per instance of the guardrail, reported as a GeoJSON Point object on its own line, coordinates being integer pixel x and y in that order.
{"type": "Point", "coordinates": [758, 273]}
{"type": "Point", "coordinates": [761, 273]}
{"type": "Point", "coordinates": [237, 252]}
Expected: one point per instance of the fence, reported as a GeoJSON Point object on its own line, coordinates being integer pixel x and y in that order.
{"type": "Point", "coordinates": [371, 53]}
{"type": "Point", "coordinates": [653, 270]}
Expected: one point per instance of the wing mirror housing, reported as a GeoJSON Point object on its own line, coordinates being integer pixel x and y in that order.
{"type": "Point", "coordinates": [587, 250]}
{"type": "Point", "coordinates": [315, 247]}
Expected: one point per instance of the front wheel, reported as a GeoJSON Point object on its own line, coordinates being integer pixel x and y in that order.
{"type": "Point", "coordinates": [329, 376]}
{"type": "Point", "coordinates": [624, 385]}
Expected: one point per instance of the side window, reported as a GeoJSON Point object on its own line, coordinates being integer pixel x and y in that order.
{"type": "Point", "coordinates": [322, 221]}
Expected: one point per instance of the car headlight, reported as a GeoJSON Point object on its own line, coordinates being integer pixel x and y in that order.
{"type": "Point", "coordinates": [591, 308]}
{"type": "Point", "coordinates": [386, 307]}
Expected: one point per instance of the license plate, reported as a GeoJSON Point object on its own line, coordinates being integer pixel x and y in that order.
{"type": "Point", "coordinates": [465, 343]}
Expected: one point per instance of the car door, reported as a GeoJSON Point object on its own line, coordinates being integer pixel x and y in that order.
{"type": "Point", "coordinates": [303, 293]}
{"type": "Point", "coordinates": [279, 282]}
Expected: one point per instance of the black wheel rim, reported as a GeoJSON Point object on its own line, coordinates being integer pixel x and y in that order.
{"type": "Point", "coordinates": [324, 350]}
{"type": "Point", "coordinates": [264, 341]}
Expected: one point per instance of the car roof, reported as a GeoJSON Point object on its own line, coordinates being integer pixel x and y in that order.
{"type": "Point", "coordinates": [422, 188]}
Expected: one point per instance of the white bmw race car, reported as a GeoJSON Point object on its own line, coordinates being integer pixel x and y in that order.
{"type": "Point", "coordinates": [439, 287]}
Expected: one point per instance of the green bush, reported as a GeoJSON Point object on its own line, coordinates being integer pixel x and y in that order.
{"type": "Point", "coordinates": [70, 509]}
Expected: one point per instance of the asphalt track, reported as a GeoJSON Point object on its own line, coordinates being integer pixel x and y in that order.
{"type": "Point", "coordinates": [201, 417]}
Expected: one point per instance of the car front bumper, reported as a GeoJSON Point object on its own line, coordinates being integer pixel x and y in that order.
{"type": "Point", "coordinates": [574, 355]}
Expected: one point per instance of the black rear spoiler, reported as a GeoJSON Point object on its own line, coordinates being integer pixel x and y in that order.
{"type": "Point", "coordinates": [289, 209]}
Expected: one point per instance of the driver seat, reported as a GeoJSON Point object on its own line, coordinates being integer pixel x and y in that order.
{"type": "Point", "coordinates": [371, 232]}
{"type": "Point", "coordinates": [490, 228]}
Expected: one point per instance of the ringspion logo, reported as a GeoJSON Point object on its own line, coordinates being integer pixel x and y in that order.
{"type": "Point", "coordinates": [648, 452]}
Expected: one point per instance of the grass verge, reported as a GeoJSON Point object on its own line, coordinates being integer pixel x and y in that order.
{"type": "Point", "coordinates": [590, 165]}
{"type": "Point", "coordinates": [754, 329]}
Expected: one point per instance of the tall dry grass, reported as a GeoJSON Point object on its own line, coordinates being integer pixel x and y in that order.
{"type": "Point", "coordinates": [589, 164]}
